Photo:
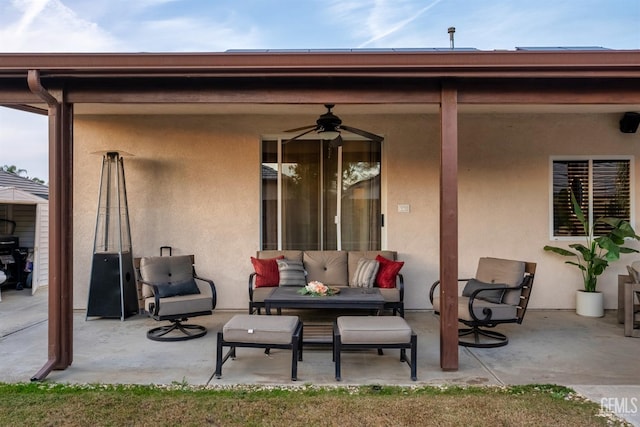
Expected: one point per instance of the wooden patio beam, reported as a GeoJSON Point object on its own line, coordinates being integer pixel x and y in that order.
{"type": "Point", "coordinates": [449, 228]}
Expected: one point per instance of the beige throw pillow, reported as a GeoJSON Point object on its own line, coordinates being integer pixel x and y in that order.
{"type": "Point", "coordinates": [365, 274]}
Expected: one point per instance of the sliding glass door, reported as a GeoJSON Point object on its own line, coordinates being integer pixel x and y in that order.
{"type": "Point", "coordinates": [315, 196]}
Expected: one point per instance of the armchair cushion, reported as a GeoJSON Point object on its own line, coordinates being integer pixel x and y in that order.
{"type": "Point", "coordinates": [180, 305]}
{"type": "Point", "coordinates": [267, 273]}
{"type": "Point", "coordinates": [493, 295]}
{"type": "Point", "coordinates": [387, 272]}
{"type": "Point", "coordinates": [509, 272]}
{"type": "Point", "coordinates": [158, 269]}
{"type": "Point", "coordinates": [365, 274]}
{"type": "Point", "coordinates": [498, 311]}
{"type": "Point", "coordinates": [183, 287]}
{"type": "Point", "coordinates": [291, 273]}
{"type": "Point", "coordinates": [634, 271]}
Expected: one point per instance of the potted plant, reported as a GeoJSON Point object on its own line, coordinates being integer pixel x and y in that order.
{"type": "Point", "coordinates": [593, 257]}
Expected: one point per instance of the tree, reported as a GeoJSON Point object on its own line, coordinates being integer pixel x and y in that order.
{"type": "Point", "coordinates": [20, 172]}
{"type": "Point", "coordinates": [14, 170]}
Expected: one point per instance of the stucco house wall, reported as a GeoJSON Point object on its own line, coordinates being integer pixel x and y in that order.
{"type": "Point", "coordinates": [194, 184]}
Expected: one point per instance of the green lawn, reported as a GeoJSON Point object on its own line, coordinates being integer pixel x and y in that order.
{"type": "Point", "coordinates": [50, 404]}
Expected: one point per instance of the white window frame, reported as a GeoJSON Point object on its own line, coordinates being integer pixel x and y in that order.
{"type": "Point", "coordinates": [632, 209]}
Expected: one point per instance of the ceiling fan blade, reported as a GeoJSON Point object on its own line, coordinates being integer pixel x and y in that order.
{"type": "Point", "coordinates": [369, 135]}
{"type": "Point", "coordinates": [299, 135]}
{"type": "Point", "coordinates": [301, 128]}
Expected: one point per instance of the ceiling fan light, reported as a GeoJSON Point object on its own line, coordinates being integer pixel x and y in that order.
{"type": "Point", "coordinates": [329, 135]}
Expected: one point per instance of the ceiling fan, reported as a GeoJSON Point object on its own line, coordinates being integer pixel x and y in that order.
{"type": "Point", "coordinates": [328, 127]}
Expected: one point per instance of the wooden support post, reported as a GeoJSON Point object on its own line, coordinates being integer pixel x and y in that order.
{"type": "Point", "coordinates": [60, 345]}
{"type": "Point", "coordinates": [65, 174]}
{"type": "Point", "coordinates": [449, 228]}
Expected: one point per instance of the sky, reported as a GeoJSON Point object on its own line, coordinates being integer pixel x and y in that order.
{"type": "Point", "coordinates": [220, 25]}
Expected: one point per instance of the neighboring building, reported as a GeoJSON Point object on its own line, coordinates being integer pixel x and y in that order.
{"type": "Point", "coordinates": [27, 204]}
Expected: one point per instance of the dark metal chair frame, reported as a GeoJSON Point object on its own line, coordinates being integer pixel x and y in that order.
{"type": "Point", "coordinates": [190, 331]}
{"type": "Point", "coordinates": [338, 346]}
{"type": "Point", "coordinates": [254, 307]}
{"type": "Point", "coordinates": [295, 346]}
{"type": "Point", "coordinates": [476, 328]}
{"type": "Point", "coordinates": [397, 306]}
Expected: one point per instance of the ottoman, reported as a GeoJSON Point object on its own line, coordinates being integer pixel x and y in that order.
{"type": "Point", "coordinates": [245, 330]}
{"type": "Point", "coordinates": [352, 332]}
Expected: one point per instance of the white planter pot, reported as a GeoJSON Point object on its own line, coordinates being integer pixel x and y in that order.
{"type": "Point", "coordinates": [590, 304]}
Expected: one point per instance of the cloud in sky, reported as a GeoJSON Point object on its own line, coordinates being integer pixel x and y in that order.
{"type": "Point", "coordinates": [23, 138]}
{"type": "Point", "coordinates": [390, 16]}
{"type": "Point", "coordinates": [208, 25]}
{"type": "Point", "coordinates": [203, 25]}
{"type": "Point", "coordinates": [489, 25]}
{"type": "Point", "coordinates": [49, 26]}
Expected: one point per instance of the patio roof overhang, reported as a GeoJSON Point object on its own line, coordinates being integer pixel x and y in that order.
{"type": "Point", "coordinates": [62, 85]}
{"type": "Point", "coordinates": [345, 77]}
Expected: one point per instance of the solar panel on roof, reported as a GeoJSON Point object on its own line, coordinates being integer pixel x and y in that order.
{"type": "Point", "coordinates": [559, 48]}
{"type": "Point", "coordinates": [356, 50]}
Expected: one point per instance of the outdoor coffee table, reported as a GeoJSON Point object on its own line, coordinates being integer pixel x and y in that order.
{"type": "Point", "coordinates": [346, 299]}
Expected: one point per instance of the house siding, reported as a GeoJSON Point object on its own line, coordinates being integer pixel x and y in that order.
{"type": "Point", "coordinates": [194, 184]}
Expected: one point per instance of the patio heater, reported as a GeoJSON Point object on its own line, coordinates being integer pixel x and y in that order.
{"type": "Point", "coordinates": [112, 289]}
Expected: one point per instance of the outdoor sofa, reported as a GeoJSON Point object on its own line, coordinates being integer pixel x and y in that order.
{"type": "Point", "coordinates": [333, 268]}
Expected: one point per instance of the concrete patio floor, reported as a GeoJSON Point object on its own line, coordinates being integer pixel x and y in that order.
{"type": "Point", "coordinates": [590, 355]}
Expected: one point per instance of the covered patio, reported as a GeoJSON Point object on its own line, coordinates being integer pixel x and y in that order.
{"type": "Point", "coordinates": [428, 104]}
{"type": "Point", "coordinates": [590, 355]}
{"type": "Point", "coordinates": [551, 346]}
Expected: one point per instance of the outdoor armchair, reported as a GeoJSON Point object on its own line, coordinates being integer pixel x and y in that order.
{"type": "Point", "coordinates": [628, 297]}
{"type": "Point", "coordinates": [498, 294]}
{"type": "Point", "coordinates": [172, 291]}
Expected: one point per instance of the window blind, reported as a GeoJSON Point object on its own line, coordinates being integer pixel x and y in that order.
{"type": "Point", "coordinates": [601, 187]}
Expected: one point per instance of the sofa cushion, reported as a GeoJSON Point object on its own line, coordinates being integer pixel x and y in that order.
{"type": "Point", "coordinates": [494, 296]}
{"type": "Point", "coordinates": [364, 275]}
{"type": "Point", "coordinates": [259, 294]}
{"type": "Point", "coordinates": [390, 294]}
{"type": "Point", "coordinates": [266, 271]}
{"type": "Point", "coordinates": [509, 272]}
{"type": "Point", "coordinates": [294, 255]}
{"type": "Point", "coordinates": [291, 272]}
{"type": "Point", "coordinates": [387, 272]}
{"type": "Point", "coordinates": [328, 267]}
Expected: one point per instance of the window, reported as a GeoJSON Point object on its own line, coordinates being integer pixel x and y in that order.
{"type": "Point", "coordinates": [319, 197]}
{"type": "Point", "coordinates": [602, 187]}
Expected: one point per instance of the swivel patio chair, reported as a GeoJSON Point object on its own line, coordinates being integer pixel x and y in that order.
{"type": "Point", "coordinates": [498, 294]}
{"type": "Point", "coordinates": [172, 291]}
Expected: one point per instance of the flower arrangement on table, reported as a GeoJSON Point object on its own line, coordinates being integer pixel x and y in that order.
{"type": "Point", "coordinates": [317, 289]}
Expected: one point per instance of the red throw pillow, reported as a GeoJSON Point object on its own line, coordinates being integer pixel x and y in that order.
{"type": "Point", "coordinates": [267, 274]}
{"type": "Point", "coordinates": [387, 272]}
